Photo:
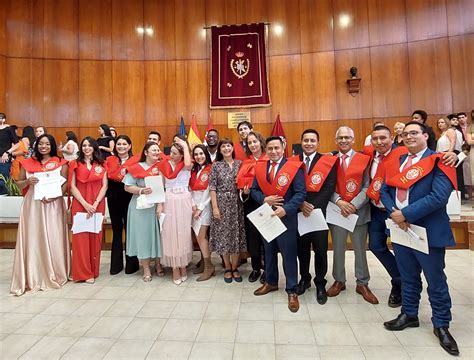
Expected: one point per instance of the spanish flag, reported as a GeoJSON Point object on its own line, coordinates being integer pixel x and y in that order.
{"type": "Point", "coordinates": [193, 136]}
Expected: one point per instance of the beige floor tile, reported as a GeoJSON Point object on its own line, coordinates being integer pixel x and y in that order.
{"type": "Point", "coordinates": [93, 308]}
{"type": "Point", "coordinates": [256, 311]}
{"type": "Point", "coordinates": [255, 332]}
{"type": "Point", "coordinates": [157, 309]}
{"type": "Point", "coordinates": [326, 313]}
{"type": "Point", "coordinates": [40, 324]}
{"type": "Point", "coordinates": [254, 351]}
{"type": "Point", "coordinates": [196, 294]}
{"type": "Point", "coordinates": [385, 352]}
{"type": "Point", "coordinates": [9, 322]}
{"type": "Point", "coordinates": [138, 293]}
{"type": "Point", "coordinates": [108, 327]}
{"type": "Point", "coordinates": [89, 348]}
{"type": "Point", "coordinates": [217, 351]}
{"type": "Point", "coordinates": [168, 293]}
{"type": "Point", "coordinates": [110, 293]}
{"type": "Point", "coordinates": [227, 294]}
{"type": "Point", "coordinates": [180, 330]}
{"type": "Point", "coordinates": [125, 280]}
{"type": "Point", "coordinates": [8, 303]}
{"type": "Point", "coordinates": [463, 332]}
{"type": "Point", "coordinates": [427, 353]}
{"type": "Point", "coordinates": [333, 334]}
{"type": "Point", "coordinates": [373, 334]}
{"type": "Point", "coordinates": [178, 350]}
{"type": "Point", "coordinates": [282, 313]}
{"type": "Point", "coordinates": [49, 348]}
{"type": "Point", "coordinates": [34, 305]}
{"type": "Point", "coordinates": [292, 332]}
{"type": "Point", "coordinates": [125, 308]}
{"type": "Point", "coordinates": [143, 329]}
{"type": "Point", "coordinates": [361, 313]}
{"type": "Point", "coordinates": [14, 345]}
{"type": "Point", "coordinates": [248, 296]}
{"type": "Point", "coordinates": [340, 352]}
{"type": "Point", "coordinates": [422, 336]}
{"type": "Point", "coordinates": [222, 311]}
{"type": "Point", "coordinates": [82, 291]}
{"type": "Point", "coordinates": [74, 326]}
{"type": "Point", "coordinates": [297, 352]}
{"type": "Point", "coordinates": [189, 310]}
{"type": "Point", "coordinates": [129, 349]}
{"type": "Point", "coordinates": [215, 331]}
{"type": "Point", "coordinates": [63, 307]}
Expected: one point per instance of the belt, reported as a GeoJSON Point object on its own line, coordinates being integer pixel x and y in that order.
{"type": "Point", "coordinates": [178, 190]}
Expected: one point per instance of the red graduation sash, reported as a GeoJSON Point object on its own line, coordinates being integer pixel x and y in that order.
{"type": "Point", "coordinates": [117, 171]}
{"type": "Point", "coordinates": [246, 172]}
{"type": "Point", "coordinates": [318, 175]}
{"type": "Point", "coordinates": [32, 165]}
{"type": "Point", "coordinates": [411, 175]}
{"type": "Point", "coordinates": [368, 150]}
{"type": "Point", "coordinates": [349, 184]}
{"type": "Point", "coordinates": [138, 172]}
{"type": "Point", "coordinates": [282, 181]}
{"type": "Point", "coordinates": [167, 170]}
{"type": "Point", "coordinates": [201, 182]}
{"type": "Point", "coordinates": [239, 151]}
{"type": "Point", "coordinates": [373, 192]}
{"type": "Point", "coordinates": [83, 174]}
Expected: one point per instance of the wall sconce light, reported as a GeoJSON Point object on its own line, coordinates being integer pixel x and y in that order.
{"type": "Point", "coordinates": [354, 82]}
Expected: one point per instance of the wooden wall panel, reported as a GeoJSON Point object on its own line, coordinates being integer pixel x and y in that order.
{"type": "Point", "coordinates": [462, 71]}
{"type": "Point", "coordinates": [160, 91]}
{"type": "Point", "coordinates": [426, 19]}
{"type": "Point", "coordinates": [3, 29]}
{"type": "Point", "coordinates": [128, 93]}
{"type": "Point", "coordinates": [220, 12]}
{"type": "Point", "coordinates": [95, 29]}
{"type": "Point", "coordinates": [430, 78]}
{"type": "Point", "coordinates": [24, 28]}
{"type": "Point", "coordinates": [24, 91]}
{"type": "Point", "coordinates": [3, 82]}
{"type": "Point", "coordinates": [254, 11]}
{"type": "Point", "coordinates": [159, 15]}
{"type": "Point", "coordinates": [359, 106]}
{"type": "Point", "coordinates": [316, 25]}
{"type": "Point", "coordinates": [390, 80]}
{"type": "Point", "coordinates": [127, 42]}
{"type": "Point", "coordinates": [319, 86]}
{"type": "Point", "coordinates": [192, 91]}
{"type": "Point", "coordinates": [61, 103]}
{"type": "Point", "coordinates": [286, 86]}
{"type": "Point", "coordinates": [61, 29]}
{"type": "Point", "coordinates": [190, 19]}
{"type": "Point", "coordinates": [460, 17]}
{"type": "Point", "coordinates": [351, 28]}
{"type": "Point", "coordinates": [282, 13]}
{"type": "Point", "coordinates": [95, 92]}
{"type": "Point", "coordinates": [387, 23]}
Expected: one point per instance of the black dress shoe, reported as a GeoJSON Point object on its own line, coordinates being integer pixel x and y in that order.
{"type": "Point", "coordinates": [401, 322]}
{"type": "Point", "coordinates": [321, 296]}
{"type": "Point", "coordinates": [254, 275]}
{"type": "Point", "coordinates": [446, 340]}
{"type": "Point", "coordinates": [302, 286]}
{"type": "Point", "coordinates": [115, 271]}
{"type": "Point", "coordinates": [263, 278]}
{"type": "Point", "coordinates": [395, 298]}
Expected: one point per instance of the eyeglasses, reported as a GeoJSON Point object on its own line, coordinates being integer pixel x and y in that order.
{"type": "Point", "coordinates": [412, 133]}
{"type": "Point", "coordinates": [342, 138]}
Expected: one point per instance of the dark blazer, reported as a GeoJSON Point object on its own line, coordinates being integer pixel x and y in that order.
{"type": "Point", "coordinates": [321, 198]}
{"type": "Point", "coordinates": [427, 204]}
{"type": "Point", "coordinates": [293, 198]}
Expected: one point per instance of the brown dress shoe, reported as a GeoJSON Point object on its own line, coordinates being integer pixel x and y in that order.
{"type": "Point", "coordinates": [293, 303]}
{"type": "Point", "coordinates": [265, 289]}
{"type": "Point", "coordinates": [336, 288]}
{"type": "Point", "coordinates": [367, 294]}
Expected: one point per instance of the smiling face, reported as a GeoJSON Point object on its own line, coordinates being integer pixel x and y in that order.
{"type": "Point", "coordinates": [275, 150]}
{"type": "Point", "coordinates": [155, 138]}
{"type": "Point", "coordinates": [153, 154]}
{"type": "Point", "coordinates": [212, 138]}
{"type": "Point", "coordinates": [344, 140]}
{"type": "Point", "coordinates": [254, 145]}
{"type": "Point", "coordinates": [414, 139]}
{"type": "Point", "coordinates": [226, 150]}
{"type": "Point", "coordinates": [309, 143]}
{"type": "Point", "coordinates": [44, 147]}
{"type": "Point", "coordinates": [381, 141]}
{"type": "Point", "coordinates": [199, 156]}
{"type": "Point", "coordinates": [87, 149]}
{"type": "Point", "coordinates": [244, 131]}
{"type": "Point", "coordinates": [122, 147]}
{"type": "Point", "coordinates": [39, 131]}
{"type": "Point", "coordinates": [398, 128]}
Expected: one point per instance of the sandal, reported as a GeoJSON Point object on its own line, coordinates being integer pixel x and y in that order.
{"type": "Point", "coordinates": [237, 278]}
{"type": "Point", "coordinates": [146, 275]}
{"type": "Point", "coordinates": [160, 272]}
{"type": "Point", "coordinates": [228, 280]}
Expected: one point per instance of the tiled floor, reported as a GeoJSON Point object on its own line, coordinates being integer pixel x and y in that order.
{"type": "Point", "coordinates": [122, 317]}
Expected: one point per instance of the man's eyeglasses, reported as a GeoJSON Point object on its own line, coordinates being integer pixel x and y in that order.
{"type": "Point", "coordinates": [342, 138]}
{"type": "Point", "coordinates": [412, 133]}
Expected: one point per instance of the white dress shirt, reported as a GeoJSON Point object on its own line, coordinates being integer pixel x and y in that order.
{"type": "Point", "coordinates": [401, 205]}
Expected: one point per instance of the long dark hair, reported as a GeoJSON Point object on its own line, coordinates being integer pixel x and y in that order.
{"type": "Point", "coordinates": [145, 148]}
{"type": "Point", "coordinates": [70, 135]}
{"type": "Point", "coordinates": [196, 166]}
{"type": "Point", "coordinates": [223, 141]}
{"type": "Point", "coordinates": [95, 155]}
{"type": "Point", "coordinates": [52, 143]}
{"type": "Point", "coordinates": [127, 139]}
{"type": "Point", "coordinates": [29, 132]}
{"type": "Point", "coordinates": [106, 129]}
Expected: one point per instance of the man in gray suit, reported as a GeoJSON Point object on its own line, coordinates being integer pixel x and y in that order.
{"type": "Point", "coordinates": [350, 196]}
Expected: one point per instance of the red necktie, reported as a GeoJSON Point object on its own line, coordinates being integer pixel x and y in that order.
{"type": "Point", "coordinates": [344, 164]}
{"type": "Point", "coordinates": [402, 193]}
{"type": "Point", "coordinates": [271, 176]}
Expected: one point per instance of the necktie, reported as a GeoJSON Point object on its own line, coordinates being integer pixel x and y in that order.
{"type": "Point", "coordinates": [344, 164]}
{"type": "Point", "coordinates": [271, 176]}
{"type": "Point", "coordinates": [307, 163]}
{"type": "Point", "coordinates": [402, 193]}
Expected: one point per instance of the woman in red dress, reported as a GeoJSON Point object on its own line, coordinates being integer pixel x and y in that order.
{"type": "Point", "coordinates": [88, 181]}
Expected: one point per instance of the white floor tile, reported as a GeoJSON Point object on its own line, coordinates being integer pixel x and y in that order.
{"type": "Point", "coordinates": [255, 332]}
{"type": "Point", "coordinates": [49, 348]}
{"type": "Point", "coordinates": [129, 349]}
{"type": "Point", "coordinates": [170, 350]}
{"type": "Point", "coordinates": [254, 351]}
{"type": "Point", "coordinates": [217, 351]}
{"type": "Point", "coordinates": [217, 331]}
{"type": "Point", "coordinates": [180, 330]}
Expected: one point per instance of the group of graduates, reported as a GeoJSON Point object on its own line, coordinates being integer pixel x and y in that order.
{"type": "Point", "coordinates": [211, 188]}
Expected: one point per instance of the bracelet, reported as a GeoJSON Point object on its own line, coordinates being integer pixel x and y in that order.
{"type": "Point", "coordinates": [140, 191]}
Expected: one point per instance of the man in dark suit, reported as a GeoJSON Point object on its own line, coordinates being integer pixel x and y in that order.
{"type": "Point", "coordinates": [320, 185]}
{"type": "Point", "coordinates": [281, 184]}
{"type": "Point", "coordinates": [415, 191]}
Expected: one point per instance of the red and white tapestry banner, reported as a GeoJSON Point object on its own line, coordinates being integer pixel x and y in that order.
{"type": "Point", "coordinates": [239, 69]}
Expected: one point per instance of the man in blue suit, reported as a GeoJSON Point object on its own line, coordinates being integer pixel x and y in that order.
{"type": "Point", "coordinates": [281, 184]}
{"type": "Point", "coordinates": [423, 203]}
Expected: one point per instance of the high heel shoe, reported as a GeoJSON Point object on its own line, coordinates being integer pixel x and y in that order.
{"type": "Point", "coordinates": [184, 278]}
{"type": "Point", "coordinates": [147, 275]}
{"type": "Point", "coordinates": [177, 281]}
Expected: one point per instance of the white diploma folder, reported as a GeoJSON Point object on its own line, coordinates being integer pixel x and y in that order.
{"type": "Point", "coordinates": [268, 225]}
{"type": "Point", "coordinates": [334, 216]}
{"type": "Point", "coordinates": [49, 184]}
{"type": "Point", "coordinates": [414, 238]}
{"type": "Point", "coordinates": [81, 223]}
{"type": "Point", "coordinates": [314, 222]}
{"type": "Point", "coordinates": [158, 190]}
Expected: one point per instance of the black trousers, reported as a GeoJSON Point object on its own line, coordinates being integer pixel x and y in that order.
{"type": "Point", "coordinates": [117, 201]}
{"type": "Point", "coordinates": [319, 241]}
{"type": "Point", "coordinates": [254, 239]}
